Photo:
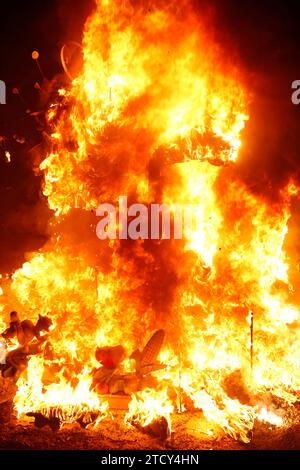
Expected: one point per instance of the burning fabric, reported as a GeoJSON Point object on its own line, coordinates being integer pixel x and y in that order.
{"type": "Point", "coordinates": [155, 113]}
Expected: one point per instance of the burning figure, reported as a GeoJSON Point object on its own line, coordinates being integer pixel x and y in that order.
{"type": "Point", "coordinates": [107, 379]}
{"type": "Point", "coordinates": [30, 343]}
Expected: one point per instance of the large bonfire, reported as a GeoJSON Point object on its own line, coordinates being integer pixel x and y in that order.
{"type": "Point", "coordinates": [156, 114]}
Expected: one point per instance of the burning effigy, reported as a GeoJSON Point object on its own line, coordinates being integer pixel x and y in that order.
{"type": "Point", "coordinates": [154, 110]}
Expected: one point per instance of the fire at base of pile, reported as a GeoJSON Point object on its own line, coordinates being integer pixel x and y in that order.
{"type": "Point", "coordinates": [146, 395]}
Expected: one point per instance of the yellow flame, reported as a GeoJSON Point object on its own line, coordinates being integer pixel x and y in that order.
{"type": "Point", "coordinates": [155, 88]}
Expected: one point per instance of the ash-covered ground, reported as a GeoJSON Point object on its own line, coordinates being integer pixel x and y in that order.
{"type": "Point", "coordinates": [189, 433]}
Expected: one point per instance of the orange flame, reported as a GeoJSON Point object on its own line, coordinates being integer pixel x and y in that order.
{"type": "Point", "coordinates": [155, 88]}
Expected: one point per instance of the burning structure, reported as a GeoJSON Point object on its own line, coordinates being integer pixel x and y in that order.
{"type": "Point", "coordinates": [156, 327]}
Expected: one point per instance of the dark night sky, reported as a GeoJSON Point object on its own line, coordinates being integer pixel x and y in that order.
{"type": "Point", "coordinates": [27, 26]}
{"type": "Point", "coordinates": [265, 36]}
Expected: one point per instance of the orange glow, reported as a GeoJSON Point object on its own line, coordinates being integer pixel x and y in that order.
{"type": "Point", "coordinates": [154, 87]}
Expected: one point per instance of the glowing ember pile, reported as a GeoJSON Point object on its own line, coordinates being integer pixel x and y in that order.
{"type": "Point", "coordinates": [156, 115]}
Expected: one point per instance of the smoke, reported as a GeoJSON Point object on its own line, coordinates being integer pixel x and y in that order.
{"type": "Point", "coordinates": [268, 56]}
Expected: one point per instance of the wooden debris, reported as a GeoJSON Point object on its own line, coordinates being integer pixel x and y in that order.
{"type": "Point", "coordinates": [159, 428]}
{"type": "Point", "coordinates": [40, 421]}
{"type": "Point", "coordinates": [53, 418]}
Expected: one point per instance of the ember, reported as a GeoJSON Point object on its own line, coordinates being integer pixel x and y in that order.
{"type": "Point", "coordinates": [156, 327]}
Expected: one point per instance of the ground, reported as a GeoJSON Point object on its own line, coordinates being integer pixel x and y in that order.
{"type": "Point", "coordinates": [113, 434]}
